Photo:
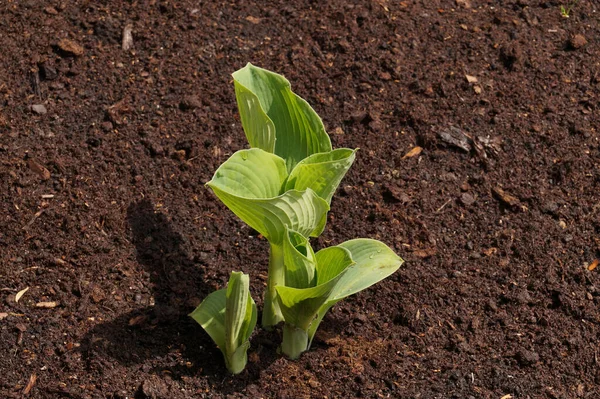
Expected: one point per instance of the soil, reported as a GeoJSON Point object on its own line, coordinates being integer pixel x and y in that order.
{"type": "Point", "coordinates": [104, 153]}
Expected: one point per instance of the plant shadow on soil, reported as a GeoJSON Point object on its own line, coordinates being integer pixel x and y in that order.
{"type": "Point", "coordinates": [162, 337]}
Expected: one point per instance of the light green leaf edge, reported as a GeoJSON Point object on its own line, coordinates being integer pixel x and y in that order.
{"type": "Point", "coordinates": [275, 119]}
{"type": "Point", "coordinates": [321, 172]}
{"type": "Point", "coordinates": [210, 314]}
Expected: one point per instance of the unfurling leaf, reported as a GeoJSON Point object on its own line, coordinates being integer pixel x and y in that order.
{"type": "Point", "coordinates": [275, 119]}
{"type": "Point", "coordinates": [321, 172]}
{"type": "Point", "coordinates": [229, 317]}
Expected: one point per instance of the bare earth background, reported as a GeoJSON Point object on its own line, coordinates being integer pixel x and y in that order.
{"type": "Point", "coordinates": [104, 153]}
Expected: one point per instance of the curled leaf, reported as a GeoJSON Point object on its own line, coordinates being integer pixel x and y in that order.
{"type": "Point", "coordinates": [275, 119]}
{"type": "Point", "coordinates": [229, 317]}
{"type": "Point", "coordinates": [250, 183]}
{"type": "Point", "coordinates": [321, 172]}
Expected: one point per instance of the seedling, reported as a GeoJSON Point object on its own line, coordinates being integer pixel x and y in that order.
{"type": "Point", "coordinates": [565, 11]}
{"type": "Point", "coordinates": [229, 316]}
{"type": "Point", "coordinates": [282, 188]}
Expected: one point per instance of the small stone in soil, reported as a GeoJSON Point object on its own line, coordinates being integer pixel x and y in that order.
{"type": "Point", "coordinates": [179, 155]}
{"type": "Point", "coordinates": [48, 72]}
{"type": "Point", "coordinates": [153, 389]}
{"type": "Point", "coordinates": [577, 41]}
{"type": "Point", "coordinates": [69, 47]}
{"type": "Point", "coordinates": [526, 357]}
{"type": "Point", "coordinates": [39, 109]}
{"type": "Point", "coordinates": [190, 102]}
{"type": "Point", "coordinates": [107, 126]}
{"type": "Point", "coordinates": [467, 199]}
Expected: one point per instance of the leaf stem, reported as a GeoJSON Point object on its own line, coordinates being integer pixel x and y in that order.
{"type": "Point", "coordinates": [236, 360]}
{"type": "Point", "coordinates": [295, 341]}
{"type": "Point", "coordinates": [271, 313]}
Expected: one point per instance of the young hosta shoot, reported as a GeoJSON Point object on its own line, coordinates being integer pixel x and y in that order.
{"type": "Point", "coordinates": [287, 178]}
{"type": "Point", "coordinates": [229, 316]}
{"type": "Point", "coordinates": [316, 282]}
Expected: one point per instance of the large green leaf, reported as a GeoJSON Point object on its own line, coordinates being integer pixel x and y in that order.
{"type": "Point", "coordinates": [250, 184]}
{"type": "Point", "coordinates": [274, 117]}
{"type": "Point", "coordinates": [373, 261]}
{"type": "Point", "coordinates": [299, 260]}
{"type": "Point", "coordinates": [303, 211]}
{"type": "Point", "coordinates": [321, 172]}
{"type": "Point", "coordinates": [252, 174]}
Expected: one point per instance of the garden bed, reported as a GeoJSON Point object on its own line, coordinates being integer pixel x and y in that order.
{"type": "Point", "coordinates": [479, 164]}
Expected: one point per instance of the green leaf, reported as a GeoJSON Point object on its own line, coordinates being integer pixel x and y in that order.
{"type": "Point", "coordinates": [321, 172]}
{"type": "Point", "coordinates": [331, 262]}
{"type": "Point", "coordinates": [259, 128]}
{"type": "Point", "coordinates": [299, 260]}
{"type": "Point", "coordinates": [299, 306]}
{"type": "Point", "coordinates": [240, 311]}
{"type": "Point", "coordinates": [252, 174]}
{"type": "Point", "coordinates": [210, 314]}
{"type": "Point", "coordinates": [249, 183]}
{"type": "Point", "coordinates": [274, 117]}
{"type": "Point", "coordinates": [373, 261]}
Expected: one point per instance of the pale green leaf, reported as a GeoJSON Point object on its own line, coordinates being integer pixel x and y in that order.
{"type": "Point", "coordinates": [249, 320]}
{"type": "Point", "coordinates": [331, 262]}
{"type": "Point", "coordinates": [298, 130]}
{"type": "Point", "coordinates": [210, 314]}
{"type": "Point", "coordinates": [299, 260]}
{"type": "Point", "coordinates": [252, 174]}
{"type": "Point", "coordinates": [321, 172]}
{"type": "Point", "coordinates": [238, 310]}
{"type": "Point", "coordinates": [303, 211]}
{"type": "Point", "coordinates": [374, 261]}
{"type": "Point", "coordinates": [249, 184]}
{"type": "Point", "coordinates": [229, 317]}
{"type": "Point", "coordinates": [259, 128]}
{"type": "Point", "coordinates": [299, 306]}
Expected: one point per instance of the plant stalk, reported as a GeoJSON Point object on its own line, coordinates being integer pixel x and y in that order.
{"type": "Point", "coordinates": [271, 313]}
{"type": "Point", "coordinates": [236, 360]}
{"type": "Point", "coordinates": [295, 341]}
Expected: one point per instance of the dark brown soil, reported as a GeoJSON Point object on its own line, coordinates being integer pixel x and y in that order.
{"type": "Point", "coordinates": [106, 219]}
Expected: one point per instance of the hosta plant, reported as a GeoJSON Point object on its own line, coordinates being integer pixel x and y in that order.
{"type": "Point", "coordinates": [282, 187]}
{"type": "Point", "coordinates": [314, 282]}
{"type": "Point", "coordinates": [289, 175]}
{"type": "Point", "coordinates": [229, 316]}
